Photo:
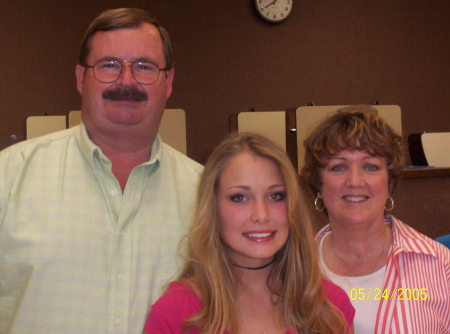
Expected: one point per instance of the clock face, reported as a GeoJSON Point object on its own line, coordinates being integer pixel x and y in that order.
{"type": "Point", "coordinates": [274, 10]}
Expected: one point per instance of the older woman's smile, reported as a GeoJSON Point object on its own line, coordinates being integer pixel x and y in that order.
{"type": "Point", "coordinates": [355, 198]}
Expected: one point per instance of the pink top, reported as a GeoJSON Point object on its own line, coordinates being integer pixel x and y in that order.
{"type": "Point", "coordinates": [180, 302]}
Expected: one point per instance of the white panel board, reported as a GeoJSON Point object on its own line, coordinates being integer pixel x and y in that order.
{"type": "Point", "coordinates": [173, 129]}
{"type": "Point", "coordinates": [436, 146]}
{"type": "Point", "coordinates": [37, 126]}
{"type": "Point", "coordinates": [271, 124]}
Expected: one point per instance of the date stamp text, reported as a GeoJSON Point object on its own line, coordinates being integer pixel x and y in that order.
{"type": "Point", "coordinates": [395, 294]}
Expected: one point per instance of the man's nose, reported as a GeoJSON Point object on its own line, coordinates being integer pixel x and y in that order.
{"type": "Point", "coordinates": [126, 76]}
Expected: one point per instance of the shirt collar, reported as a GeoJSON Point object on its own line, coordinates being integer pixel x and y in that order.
{"type": "Point", "coordinates": [407, 240]}
{"type": "Point", "coordinates": [92, 151]}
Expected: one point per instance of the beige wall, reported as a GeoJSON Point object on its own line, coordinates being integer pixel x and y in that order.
{"type": "Point", "coordinates": [228, 60]}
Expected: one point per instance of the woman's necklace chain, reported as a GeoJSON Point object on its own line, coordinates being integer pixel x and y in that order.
{"type": "Point", "coordinates": [376, 262]}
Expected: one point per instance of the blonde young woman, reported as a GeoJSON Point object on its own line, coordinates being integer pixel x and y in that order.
{"type": "Point", "coordinates": [251, 263]}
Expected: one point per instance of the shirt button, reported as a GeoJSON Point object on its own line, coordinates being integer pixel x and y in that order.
{"type": "Point", "coordinates": [122, 234]}
{"type": "Point", "coordinates": [120, 277]}
{"type": "Point", "coordinates": [118, 322]}
{"type": "Point", "coordinates": [114, 192]}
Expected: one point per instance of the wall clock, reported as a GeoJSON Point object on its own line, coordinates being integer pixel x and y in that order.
{"type": "Point", "coordinates": [273, 11]}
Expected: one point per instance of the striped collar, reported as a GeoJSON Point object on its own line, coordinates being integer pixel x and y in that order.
{"type": "Point", "coordinates": [405, 238]}
{"type": "Point", "coordinates": [408, 240]}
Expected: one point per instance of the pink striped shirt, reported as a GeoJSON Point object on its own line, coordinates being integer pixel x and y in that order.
{"type": "Point", "coordinates": [416, 290]}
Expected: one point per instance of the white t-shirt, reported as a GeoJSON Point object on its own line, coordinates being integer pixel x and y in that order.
{"type": "Point", "coordinates": [364, 293]}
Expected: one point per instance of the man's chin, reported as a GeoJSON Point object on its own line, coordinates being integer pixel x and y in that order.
{"type": "Point", "coordinates": [126, 115]}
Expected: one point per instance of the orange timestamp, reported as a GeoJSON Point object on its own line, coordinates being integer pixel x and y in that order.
{"type": "Point", "coordinates": [395, 294]}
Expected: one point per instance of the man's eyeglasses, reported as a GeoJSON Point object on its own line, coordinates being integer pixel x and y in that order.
{"type": "Point", "coordinates": [107, 71]}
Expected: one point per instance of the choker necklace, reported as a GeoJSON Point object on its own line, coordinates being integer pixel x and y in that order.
{"type": "Point", "coordinates": [255, 268]}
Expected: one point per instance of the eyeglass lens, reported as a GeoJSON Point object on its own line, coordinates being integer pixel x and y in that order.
{"type": "Point", "coordinates": [109, 71]}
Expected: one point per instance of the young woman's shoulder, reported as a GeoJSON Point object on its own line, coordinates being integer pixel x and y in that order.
{"type": "Point", "coordinates": [339, 298]}
{"type": "Point", "coordinates": [168, 313]}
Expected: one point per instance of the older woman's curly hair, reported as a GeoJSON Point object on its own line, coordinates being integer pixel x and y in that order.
{"type": "Point", "coordinates": [357, 128]}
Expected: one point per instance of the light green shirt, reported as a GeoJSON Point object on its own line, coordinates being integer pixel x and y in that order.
{"type": "Point", "coordinates": [77, 255]}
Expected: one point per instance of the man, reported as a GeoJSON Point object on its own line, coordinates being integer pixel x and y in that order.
{"type": "Point", "coordinates": [90, 217]}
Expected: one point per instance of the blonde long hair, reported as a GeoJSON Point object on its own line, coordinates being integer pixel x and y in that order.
{"type": "Point", "coordinates": [295, 277]}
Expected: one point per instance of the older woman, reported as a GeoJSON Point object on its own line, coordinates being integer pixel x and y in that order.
{"type": "Point", "coordinates": [251, 263]}
{"type": "Point", "coordinates": [398, 279]}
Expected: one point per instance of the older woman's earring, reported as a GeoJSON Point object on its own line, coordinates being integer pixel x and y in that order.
{"type": "Point", "coordinates": [317, 202]}
{"type": "Point", "coordinates": [389, 204]}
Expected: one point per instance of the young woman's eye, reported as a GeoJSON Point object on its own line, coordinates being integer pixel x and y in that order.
{"type": "Point", "coordinates": [278, 196]}
{"type": "Point", "coordinates": [238, 198]}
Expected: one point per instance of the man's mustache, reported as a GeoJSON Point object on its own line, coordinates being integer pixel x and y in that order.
{"type": "Point", "coordinates": [125, 93]}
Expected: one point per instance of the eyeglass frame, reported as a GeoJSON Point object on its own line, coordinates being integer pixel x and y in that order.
{"type": "Point", "coordinates": [131, 63]}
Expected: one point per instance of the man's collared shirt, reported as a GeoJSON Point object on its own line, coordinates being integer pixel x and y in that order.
{"type": "Point", "coordinates": [76, 254]}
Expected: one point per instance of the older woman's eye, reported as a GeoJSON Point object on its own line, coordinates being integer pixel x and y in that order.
{"type": "Point", "coordinates": [371, 168]}
{"type": "Point", "coordinates": [338, 168]}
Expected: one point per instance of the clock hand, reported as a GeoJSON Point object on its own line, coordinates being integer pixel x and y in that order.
{"type": "Point", "coordinates": [272, 3]}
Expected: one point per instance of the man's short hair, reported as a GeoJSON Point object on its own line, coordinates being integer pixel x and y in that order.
{"type": "Point", "coordinates": [122, 18]}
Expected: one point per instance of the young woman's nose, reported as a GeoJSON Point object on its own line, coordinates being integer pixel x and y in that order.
{"type": "Point", "coordinates": [260, 214]}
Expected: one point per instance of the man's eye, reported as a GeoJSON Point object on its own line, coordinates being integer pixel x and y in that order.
{"type": "Point", "coordinates": [146, 67]}
{"type": "Point", "coordinates": [109, 65]}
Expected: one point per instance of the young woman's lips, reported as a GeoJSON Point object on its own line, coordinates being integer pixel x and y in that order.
{"type": "Point", "coordinates": [259, 236]}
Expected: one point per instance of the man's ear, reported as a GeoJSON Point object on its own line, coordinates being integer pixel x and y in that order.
{"type": "Point", "coordinates": [169, 81]}
{"type": "Point", "coordinates": [80, 72]}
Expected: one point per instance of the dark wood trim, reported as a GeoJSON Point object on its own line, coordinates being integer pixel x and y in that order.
{"type": "Point", "coordinates": [233, 122]}
{"type": "Point", "coordinates": [291, 136]}
{"type": "Point", "coordinates": [425, 172]}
